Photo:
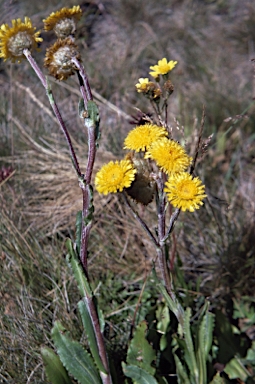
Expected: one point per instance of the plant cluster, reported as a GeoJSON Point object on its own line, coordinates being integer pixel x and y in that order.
{"type": "Point", "coordinates": [171, 342]}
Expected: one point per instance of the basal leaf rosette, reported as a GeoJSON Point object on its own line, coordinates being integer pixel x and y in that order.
{"type": "Point", "coordinates": [114, 177]}
{"type": "Point", "coordinates": [58, 58]}
{"type": "Point", "coordinates": [185, 192]}
{"type": "Point", "coordinates": [13, 40]}
{"type": "Point", "coordinates": [141, 137]}
{"type": "Point", "coordinates": [162, 68]}
{"type": "Point", "coordinates": [63, 22]}
{"type": "Point", "coordinates": [170, 156]}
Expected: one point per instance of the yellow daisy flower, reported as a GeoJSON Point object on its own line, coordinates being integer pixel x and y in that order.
{"type": "Point", "coordinates": [114, 177]}
{"type": "Point", "coordinates": [58, 58]}
{"type": "Point", "coordinates": [184, 192]}
{"type": "Point", "coordinates": [143, 84]}
{"type": "Point", "coordinates": [170, 156]}
{"type": "Point", "coordinates": [162, 68]}
{"type": "Point", "coordinates": [140, 138]}
{"type": "Point", "coordinates": [64, 21]}
{"type": "Point", "coordinates": [17, 38]}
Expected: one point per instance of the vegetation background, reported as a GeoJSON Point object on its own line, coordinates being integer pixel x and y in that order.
{"type": "Point", "coordinates": [213, 42]}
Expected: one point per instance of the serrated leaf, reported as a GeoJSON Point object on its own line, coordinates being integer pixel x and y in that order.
{"type": "Point", "coordinates": [190, 357]}
{"type": "Point", "coordinates": [55, 371]}
{"type": "Point", "coordinates": [139, 375]}
{"type": "Point", "coordinates": [90, 333]}
{"type": "Point", "coordinates": [205, 335]}
{"type": "Point", "coordinates": [236, 370]}
{"type": "Point", "coordinates": [74, 357]}
{"type": "Point", "coordinates": [140, 352]}
{"type": "Point", "coordinates": [78, 271]}
{"type": "Point", "coordinates": [78, 231]}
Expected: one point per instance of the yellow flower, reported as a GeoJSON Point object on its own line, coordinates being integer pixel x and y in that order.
{"type": "Point", "coordinates": [169, 156]}
{"type": "Point", "coordinates": [140, 138]}
{"type": "Point", "coordinates": [114, 177]}
{"type": "Point", "coordinates": [162, 68]}
{"type": "Point", "coordinates": [58, 58]}
{"type": "Point", "coordinates": [143, 85]}
{"type": "Point", "coordinates": [64, 21]}
{"type": "Point", "coordinates": [17, 38]}
{"type": "Point", "coordinates": [184, 192]}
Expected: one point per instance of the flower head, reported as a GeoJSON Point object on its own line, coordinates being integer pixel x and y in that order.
{"type": "Point", "coordinates": [141, 137]}
{"type": "Point", "coordinates": [143, 85]}
{"type": "Point", "coordinates": [169, 156]}
{"type": "Point", "coordinates": [58, 58]}
{"type": "Point", "coordinates": [162, 68]}
{"type": "Point", "coordinates": [64, 21]}
{"type": "Point", "coordinates": [185, 192]}
{"type": "Point", "coordinates": [114, 177]}
{"type": "Point", "coordinates": [17, 38]}
{"type": "Point", "coordinates": [142, 189]}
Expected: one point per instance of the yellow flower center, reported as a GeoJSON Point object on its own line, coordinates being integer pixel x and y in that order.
{"type": "Point", "coordinates": [187, 190]}
{"type": "Point", "coordinates": [115, 175]}
{"type": "Point", "coordinates": [164, 68]}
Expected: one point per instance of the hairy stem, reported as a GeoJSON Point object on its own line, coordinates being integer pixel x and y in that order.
{"type": "Point", "coordinates": [84, 77]}
{"type": "Point", "coordinates": [54, 106]}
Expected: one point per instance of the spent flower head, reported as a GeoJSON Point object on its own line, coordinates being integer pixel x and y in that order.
{"type": "Point", "coordinates": [170, 156]}
{"type": "Point", "coordinates": [141, 137]}
{"type": "Point", "coordinates": [58, 58]}
{"type": "Point", "coordinates": [13, 40]}
{"type": "Point", "coordinates": [63, 22]}
{"type": "Point", "coordinates": [185, 192]}
{"type": "Point", "coordinates": [142, 189]}
{"type": "Point", "coordinates": [115, 177]}
{"type": "Point", "coordinates": [162, 68]}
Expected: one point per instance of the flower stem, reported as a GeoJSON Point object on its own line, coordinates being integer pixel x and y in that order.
{"type": "Point", "coordinates": [84, 77]}
{"type": "Point", "coordinates": [138, 218]}
{"type": "Point", "coordinates": [106, 378]}
{"type": "Point", "coordinates": [54, 106]}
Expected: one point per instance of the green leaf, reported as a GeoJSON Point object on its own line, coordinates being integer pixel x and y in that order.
{"type": "Point", "coordinates": [93, 111]}
{"type": "Point", "coordinates": [181, 371]}
{"type": "Point", "coordinates": [205, 335]}
{"type": "Point", "coordinates": [74, 357]}
{"type": "Point", "coordinates": [140, 352]}
{"type": "Point", "coordinates": [189, 350]}
{"type": "Point", "coordinates": [78, 231]}
{"type": "Point", "coordinates": [93, 119]}
{"type": "Point", "coordinates": [236, 370]}
{"type": "Point", "coordinates": [88, 219]}
{"type": "Point", "coordinates": [163, 317]}
{"type": "Point", "coordinates": [81, 109]}
{"type": "Point", "coordinates": [217, 379]}
{"type": "Point", "coordinates": [78, 271]}
{"type": "Point", "coordinates": [139, 375]}
{"type": "Point", "coordinates": [90, 333]}
{"type": "Point", "coordinates": [55, 371]}
{"type": "Point", "coordinates": [174, 305]}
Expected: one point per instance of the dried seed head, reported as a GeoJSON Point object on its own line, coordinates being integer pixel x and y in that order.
{"type": "Point", "coordinates": [143, 187]}
{"type": "Point", "coordinates": [58, 58]}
